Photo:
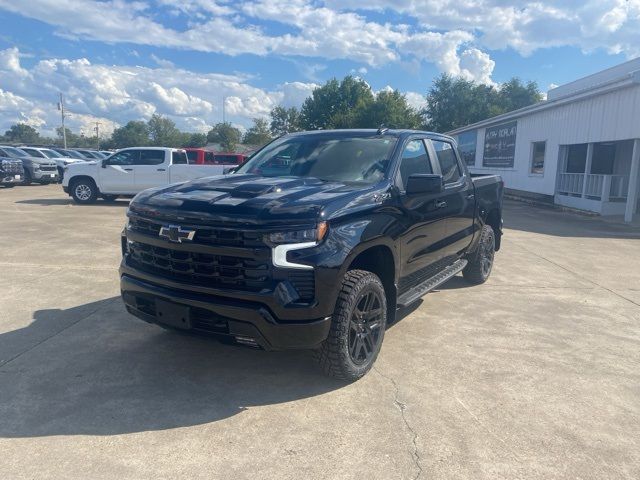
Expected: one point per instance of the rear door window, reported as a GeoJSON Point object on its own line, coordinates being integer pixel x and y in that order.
{"type": "Point", "coordinates": [447, 160]}
{"type": "Point", "coordinates": [151, 157]}
{"type": "Point", "coordinates": [179, 158]}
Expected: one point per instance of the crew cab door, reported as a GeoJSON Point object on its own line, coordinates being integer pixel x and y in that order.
{"type": "Point", "coordinates": [116, 174]}
{"type": "Point", "coordinates": [457, 199]}
{"type": "Point", "coordinates": [151, 169]}
{"type": "Point", "coordinates": [422, 219]}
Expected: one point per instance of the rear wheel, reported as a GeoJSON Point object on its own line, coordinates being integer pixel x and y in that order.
{"type": "Point", "coordinates": [480, 263]}
{"type": "Point", "coordinates": [84, 191]}
{"type": "Point", "coordinates": [357, 327]}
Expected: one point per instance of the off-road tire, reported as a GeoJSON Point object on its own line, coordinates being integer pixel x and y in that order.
{"type": "Point", "coordinates": [333, 355]}
{"type": "Point", "coordinates": [84, 191]}
{"type": "Point", "coordinates": [480, 261]}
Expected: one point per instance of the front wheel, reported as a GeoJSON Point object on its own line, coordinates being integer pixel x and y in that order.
{"type": "Point", "coordinates": [357, 327]}
{"type": "Point", "coordinates": [84, 191]}
{"type": "Point", "coordinates": [480, 263]}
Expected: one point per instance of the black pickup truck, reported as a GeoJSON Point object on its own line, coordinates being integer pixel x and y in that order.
{"type": "Point", "coordinates": [313, 243]}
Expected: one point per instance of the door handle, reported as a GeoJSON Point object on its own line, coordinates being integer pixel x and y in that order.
{"type": "Point", "coordinates": [470, 196]}
{"type": "Point", "coordinates": [441, 203]}
{"type": "Point", "coordinates": [128, 169]}
{"type": "Point", "coordinates": [161, 170]}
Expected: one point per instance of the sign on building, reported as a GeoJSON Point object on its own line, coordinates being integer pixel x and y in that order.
{"type": "Point", "coordinates": [500, 145]}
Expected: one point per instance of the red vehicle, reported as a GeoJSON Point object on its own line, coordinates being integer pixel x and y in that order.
{"type": "Point", "coordinates": [200, 156]}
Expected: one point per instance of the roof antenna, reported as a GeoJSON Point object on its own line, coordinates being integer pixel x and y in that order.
{"type": "Point", "coordinates": [382, 129]}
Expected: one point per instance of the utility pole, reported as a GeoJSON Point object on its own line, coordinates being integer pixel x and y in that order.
{"type": "Point", "coordinates": [62, 114]}
{"type": "Point", "coordinates": [224, 116]}
{"type": "Point", "coordinates": [97, 129]}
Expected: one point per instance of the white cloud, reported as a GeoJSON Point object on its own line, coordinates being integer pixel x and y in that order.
{"type": "Point", "coordinates": [114, 95]}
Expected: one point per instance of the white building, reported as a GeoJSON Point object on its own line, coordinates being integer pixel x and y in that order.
{"type": "Point", "coordinates": [580, 148]}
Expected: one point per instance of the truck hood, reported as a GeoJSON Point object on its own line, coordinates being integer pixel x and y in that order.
{"type": "Point", "coordinates": [253, 199]}
{"type": "Point", "coordinates": [38, 161]}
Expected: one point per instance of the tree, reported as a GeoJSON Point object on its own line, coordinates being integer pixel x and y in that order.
{"type": "Point", "coordinates": [514, 94]}
{"type": "Point", "coordinates": [336, 104]}
{"type": "Point", "coordinates": [163, 132]}
{"type": "Point", "coordinates": [454, 102]}
{"type": "Point", "coordinates": [194, 140]}
{"type": "Point", "coordinates": [134, 134]}
{"type": "Point", "coordinates": [226, 135]}
{"type": "Point", "coordinates": [284, 120]}
{"type": "Point", "coordinates": [22, 133]}
{"type": "Point", "coordinates": [259, 134]}
{"type": "Point", "coordinates": [390, 108]}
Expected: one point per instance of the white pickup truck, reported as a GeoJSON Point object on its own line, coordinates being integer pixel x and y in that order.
{"type": "Point", "coordinates": [130, 171]}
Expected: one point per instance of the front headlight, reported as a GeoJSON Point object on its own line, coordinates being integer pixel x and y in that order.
{"type": "Point", "coordinates": [299, 236]}
{"type": "Point", "coordinates": [36, 166]}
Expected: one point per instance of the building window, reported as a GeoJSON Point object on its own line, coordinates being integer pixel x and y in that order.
{"type": "Point", "coordinates": [604, 156]}
{"type": "Point", "coordinates": [576, 158]}
{"type": "Point", "coordinates": [537, 157]}
{"type": "Point", "coordinates": [467, 146]}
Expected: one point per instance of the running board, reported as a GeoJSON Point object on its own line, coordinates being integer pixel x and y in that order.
{"type": "Point", "coordinates": [413, 294]}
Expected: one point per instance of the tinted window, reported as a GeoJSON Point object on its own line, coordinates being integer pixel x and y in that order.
{"type": "Point", "coordinates": [179, 158]}
{"type": "Point", "coordinates": [129, 157]}
{"type": "Point", "coordinates": [151, 157]}
{"type": "Point", "coordinates": [209, 157]}
{"type": "Point", "coordinates": [192, 156]}
{"type": "Point", "coordinates": [15, 152]}
{"type": "Point", "coordinates": [51, 153]}
{"type": "Point", "coordinates": [537, 157]}
{"type": "Point", "coordinates": [414, 160]}
{"type": "Point", "coordinates": [447, 160]}
{"type": "Point", "coordinates": [34, 153]}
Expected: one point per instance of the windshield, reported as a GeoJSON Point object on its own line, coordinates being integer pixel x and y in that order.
{"type": "Point", "coordinates": [348, 159]}
{"type": "Point", "coordinates": [34, 153]}
{"type": "Point", "coordinates": [15, 152]}
{"type": "Point", "coordinates": [51, 153]}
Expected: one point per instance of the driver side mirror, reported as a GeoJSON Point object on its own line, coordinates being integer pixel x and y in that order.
{"type": "Point", "coordinates": [424, 183]}
{"type": "Point", "coordinates": [104, 163]}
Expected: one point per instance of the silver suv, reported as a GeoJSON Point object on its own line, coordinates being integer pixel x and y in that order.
{"type": "Point", "coordinates": [39, 170]}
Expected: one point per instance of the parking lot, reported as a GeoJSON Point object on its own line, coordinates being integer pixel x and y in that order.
{"type": "Point", "coordinates": [535, 374]}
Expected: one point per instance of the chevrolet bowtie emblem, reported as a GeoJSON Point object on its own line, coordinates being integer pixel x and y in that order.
{"type": "Point", "coordinates": [175, 233]}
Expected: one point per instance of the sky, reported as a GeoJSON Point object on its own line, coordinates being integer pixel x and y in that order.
{"type": "Point", "coordinates": [117, 60]}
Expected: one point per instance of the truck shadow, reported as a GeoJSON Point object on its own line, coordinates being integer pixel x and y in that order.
{"type": "Point", "coordinates": [95, 370]}
{"type": "Point", "coordinates": [120, 202]}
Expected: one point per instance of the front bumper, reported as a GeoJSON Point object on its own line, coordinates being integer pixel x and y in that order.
{"type": "Point", "coordinates": [44, 176]}
{"type": "Point", "coordinates": [10, 178]}
{"type": "Point", "coordinates": [242, 322]}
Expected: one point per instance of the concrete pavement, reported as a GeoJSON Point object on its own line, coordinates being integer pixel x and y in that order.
{"type": "Point", "coordinates": [533, 375]}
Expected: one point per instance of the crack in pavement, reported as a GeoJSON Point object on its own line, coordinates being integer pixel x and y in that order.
{"type": "Point", "coordinates": [415, 455]}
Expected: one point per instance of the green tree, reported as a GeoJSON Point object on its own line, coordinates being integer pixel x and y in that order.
{"type": "Point", "coordinates": [514, 94]}
{"type": "Point", "coordinates": [226, 135]}
{"type": "Point", "coordinates": [336, 104]}
{"type": "Point", "coordinates": [194, 140]}
{"type": "Point", "coordinates": [259, 133]}
{"type": "Point", "coordinates": [22, 133]}
{"type": "Point", "coordinates": [454, 102]}
{"type": "Point", "coordinates": [134, 134]}
{"type": "Point", "coordinates": [390, 108]}
{"type": "Point", "coordinates": [284, 120]}
{"type": "Point", "coordinates": [163, 132]}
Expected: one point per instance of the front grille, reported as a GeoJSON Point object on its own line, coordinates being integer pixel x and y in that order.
{"type": "Point", "coordinates": [215, 271]}
{"type": "Point", "coordinates": [48, 168]}
{"type": "Point", "coordinates": [11, 167]}
{"type": "Point", "coordinates": [225, 237]}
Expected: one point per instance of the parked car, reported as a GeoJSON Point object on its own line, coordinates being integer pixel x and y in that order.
{"type": "Point", "coordinates": [60, 160]}
{"type": "Point", "coordinates": [90, 154]}
{"type": "Point", "coordinates": [36, 169]}
{"type": "Point", "coordinates": [11, 172]}
{"type": "Point", "coordinates": [69, 153]}
{"type": "Point", "coordinates": [130, 171]}
{"type": "Point", "coordinates": [316, 251]}
{"type": "Point", "coordinates": [200, 156]}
